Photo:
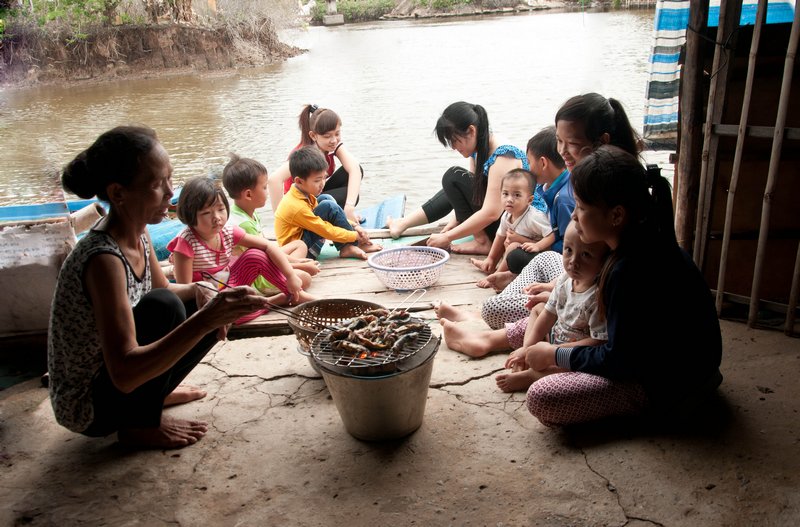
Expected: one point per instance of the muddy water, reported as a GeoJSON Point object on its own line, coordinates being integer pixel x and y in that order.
{"type": "Point", "coordinates": [389, 81]}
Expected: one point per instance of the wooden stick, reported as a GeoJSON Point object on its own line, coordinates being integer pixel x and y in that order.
{"type": "Point", "coordinates": [774, 163]}
{"type": "Point", "coordinates": [687, 170]}
{"type": "Point", "coordinates": [729, 15]}
{"type": "Point", "coordinates": [737, 157]}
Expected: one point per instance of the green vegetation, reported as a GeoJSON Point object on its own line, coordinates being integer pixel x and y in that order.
{"type": "Point", "coordinates": [355, 10]}
{"type": "Point", "coordinates": [76, 19]}
{"type": "Point", "coordinates": [442, 4]}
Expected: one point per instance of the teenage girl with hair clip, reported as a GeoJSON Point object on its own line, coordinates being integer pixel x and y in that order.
{"type": "Point", "coordinates": [664, 345]}
{"type": "Point", "coordinates": [583, 123]}
{"type": "Point", "coordinates": [121, 336]}
{"type": "Point", "coordinates": [204, 249]}
{"type": "Point", "coordinates": [323, 127]}
{"type": "Point", "coordinates": [473, 194]}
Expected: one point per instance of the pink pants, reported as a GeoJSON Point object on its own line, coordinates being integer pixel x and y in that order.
{"type": "Point", "coordinates": [250, 265]}
{"type": "Point", "coordinates": [573, 397]}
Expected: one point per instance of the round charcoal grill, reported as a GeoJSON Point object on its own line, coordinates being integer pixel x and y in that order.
{"type": "Point", "coordinates": [378, 362]}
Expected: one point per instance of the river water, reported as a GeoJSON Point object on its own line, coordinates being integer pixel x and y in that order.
{"type": "Point", "coordinates": [389, 82]}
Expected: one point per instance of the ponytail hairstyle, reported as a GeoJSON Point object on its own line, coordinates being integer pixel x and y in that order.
{"type": "Point", "coordinates": [610, 177]}
{"type": "Point", "coordinates": [197, 194]}
{"type": "Point", "coordinates": [318, 120]}
{"type": "Point", "coordinates": [115, 157]}
{"type": "Point", "coordinates": [601, 116]}
{"type": "Point", "coordinates": [453, 123]}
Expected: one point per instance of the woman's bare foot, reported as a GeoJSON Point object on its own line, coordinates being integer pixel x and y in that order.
{"type": "Point", "coordinates": [471, 247]}
{"type": "Point", "coordinates": [184, 394]}
{"type": "Point", "coordinates": [453, 314]}
{"type": "Point", "coordinates": [517, 381]}
{"type": "Point", "coordinates": [499, 280]}
{"type": "Point", "coordinates": [171, 433]}
{"type": "Point", "coordinates": [396, 226]}
{"type": "Point", "coordinates": [461, 340]}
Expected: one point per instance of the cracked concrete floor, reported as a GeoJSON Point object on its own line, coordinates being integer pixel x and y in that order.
{"type": "Point", "coordinates": [277, 453]}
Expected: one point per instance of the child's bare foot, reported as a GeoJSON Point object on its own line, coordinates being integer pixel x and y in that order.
{"type": "Point", "coordinates": [499, 280]}
{"type": "Point", "coordinates": [471, 247]}
{"type": "Point", "coordinates": [516, 381]}
{"type": "Point", "coordinates": [483, 283]}
{"type": "Point", "coordinates": [396, 226]}
{"type": "Point", "coordinates": [453, 314]}
{"type": "Point", "coordinates": [355, 251]}
{"type": "Point", "coordinates": [461, 340]}
{"type": "Point", "coordinates": [311, 267]}
{"type": "Point", "coordinates": [184, 394]}
{"type": "Point", "coordinates": [171, 433]}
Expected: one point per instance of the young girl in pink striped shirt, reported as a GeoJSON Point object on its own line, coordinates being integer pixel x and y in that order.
{"type": "Point", "coordinates": [203, 250]}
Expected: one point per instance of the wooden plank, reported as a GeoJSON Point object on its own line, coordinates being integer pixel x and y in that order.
{"type": "Point", "coordinates": [354, 279]}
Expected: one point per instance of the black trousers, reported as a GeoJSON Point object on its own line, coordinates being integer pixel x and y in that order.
{"type": "Point", "coordinates": [336, 186]}
{"type": "Point", "coordinates": [458, 185]}
{"type": "Point", "coordinates": [159, 312]}
{"type": "Point", "coordinates": [518, 259]}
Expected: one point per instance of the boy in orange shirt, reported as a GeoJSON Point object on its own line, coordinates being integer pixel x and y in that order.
{"type": "Point", "coordinates": [306, 214]}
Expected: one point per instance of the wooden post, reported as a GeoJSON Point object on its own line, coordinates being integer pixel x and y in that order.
{"type": "Point", "coordinates": [730, 13]}
{"type": "Point", "coordinates": [737, 156]}
{"type": "Point", "coordinates": [687, 171]}
{"type": "Point", "coordinates": [774, 162]}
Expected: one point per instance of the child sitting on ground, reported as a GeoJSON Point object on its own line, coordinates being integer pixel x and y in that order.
{"type": "Point", "coordinates": [521, 224]}
{"type": "Point", "coordinates": [245, 180]}
{"type": "Point", "coordinates": [306, 214]}
{"type": "Point", "coordinates": [570, 315]}
{"type": "Point", "coordinates": [203, 250]}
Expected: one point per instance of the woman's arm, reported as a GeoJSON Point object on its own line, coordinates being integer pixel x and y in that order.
{"type": "Point", "coordinates": [275, 184]}
{"type": "Point", "coordinates": [351, 165]}
{"type": "Point", "coordinates": [492, 206]}
{"type": "Point", "coordinates": [129, 364]}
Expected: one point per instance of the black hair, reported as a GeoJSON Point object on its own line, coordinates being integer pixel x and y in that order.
{"type": "Point", "coordinates": [317, 120]}
{"type": "Point", "coordinates": [610, 177]}
{"type": "Point", "coordinates": [305, 161]}
{"type": "Point", "coordinates": [197, 194]}
{"type": "Point", "coordinates": [601, 116]}
{"type": "Point", "coordinates": [240, 174]}
{"type": "Point", "coordinates": [453, 123]}
{"type": "Point", "coordinates": [545, 144]}
{"type": "Point", "coordinates": [115, 157]}
{"type": "Point", "coordinates": [521, 173]}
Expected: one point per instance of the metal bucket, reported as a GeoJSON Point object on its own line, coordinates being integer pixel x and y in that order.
{"type": "Point", "coordinates": [384, 407]}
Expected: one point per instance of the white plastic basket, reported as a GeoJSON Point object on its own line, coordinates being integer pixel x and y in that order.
{"type": "Point", "coordinates": [407, 268]}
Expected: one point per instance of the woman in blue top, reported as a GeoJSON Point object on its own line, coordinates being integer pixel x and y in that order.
{"type": "Point", "coordinates": [664, 345]}
{"type": "Point", "coordinates": [474, 194]}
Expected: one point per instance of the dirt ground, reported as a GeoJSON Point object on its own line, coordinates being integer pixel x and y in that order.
{"type": "Point", "coordinates": [277, 453]}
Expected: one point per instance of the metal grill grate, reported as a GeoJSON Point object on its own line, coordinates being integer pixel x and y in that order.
{"type": "Point", "coordinates": [322, 351]}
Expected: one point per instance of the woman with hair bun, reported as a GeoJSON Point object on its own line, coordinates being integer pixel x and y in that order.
{"type": "Point", "coordinates": [121, 336]}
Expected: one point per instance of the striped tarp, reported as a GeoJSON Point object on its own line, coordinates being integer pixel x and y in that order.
{"type": "Point", "coordinates": [671, 19]}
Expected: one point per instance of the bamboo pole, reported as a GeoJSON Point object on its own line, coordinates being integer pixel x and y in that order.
{"type": "Point", "coordinates": [737, 158]}
{"type": "Point", "coordinates": [729, 15]}
{"type": "Point", "coordinates": [774, 162]}
{"type": "Point", "coordinates": [686, 173]}
{"type": "Point", "coordinates": [793, 294]}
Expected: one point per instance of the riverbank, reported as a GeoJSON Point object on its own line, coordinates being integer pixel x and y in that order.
{"type": "Point", "coordinates": [138, 51]}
